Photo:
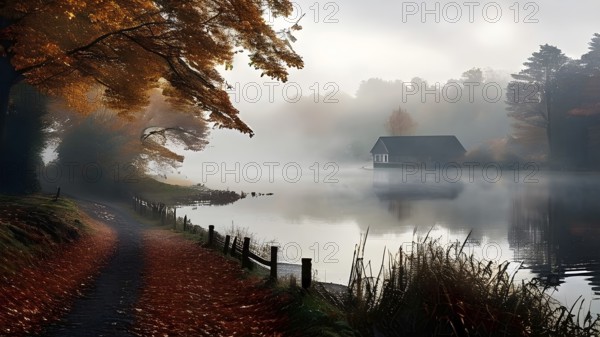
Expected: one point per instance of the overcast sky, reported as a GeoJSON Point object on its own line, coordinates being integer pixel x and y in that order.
{"type": "Point", "coordinates": [353, 40]}
{"type": "Point", "coordinates": [350, 41]}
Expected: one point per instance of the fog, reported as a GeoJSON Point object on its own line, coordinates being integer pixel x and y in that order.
{"type": "Point", "coordinates": [362, 52]}
{"type": "Point", "coordinates": [343, 127]}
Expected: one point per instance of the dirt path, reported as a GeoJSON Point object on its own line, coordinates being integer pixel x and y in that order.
{"type": "Point", "coordinates": [107, 308]}
{"type": "Point", "coordinates": [160, 284]}
{"type": "Point", "coordinates": [193, 291]}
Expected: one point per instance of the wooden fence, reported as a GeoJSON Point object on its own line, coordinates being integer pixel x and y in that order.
{"type": "Point", "coordinates": [238, 248]}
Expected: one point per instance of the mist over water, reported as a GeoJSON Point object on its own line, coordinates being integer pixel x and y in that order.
{"type": "Point", "coordinates": [550, 223]}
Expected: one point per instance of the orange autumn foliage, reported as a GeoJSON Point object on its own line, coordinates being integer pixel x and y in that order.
{"type": "Point", "coordinates": [41, 290]}
{"type": "Point", "coordinates": [68, 48]}
{"type": "Point", "coordinates": [192, 291]}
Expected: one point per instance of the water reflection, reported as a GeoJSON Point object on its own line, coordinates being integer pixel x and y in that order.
{"type": "Point", "coordinates": [552, 225]}
{"type": "Point", "coordinates": [390, 184]}
{"type": "Point", "coordinates": [458, 206]}
{"type": "Point", "coordinates": [399, 193]}
{"type": "Point", "coordinates": [555, 228]}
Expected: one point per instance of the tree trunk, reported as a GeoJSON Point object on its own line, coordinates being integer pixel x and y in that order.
{"type": "Point", "coordinates": [5, 172]}
{"type": "Point", "coordinates": [4, 96]}
{"type": "Point", "coordinates": [17, 175]}
{"type": "Point", "coordinates": [8, 76]}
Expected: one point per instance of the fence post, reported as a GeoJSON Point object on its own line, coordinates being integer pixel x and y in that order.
{"type": "Point", "coordinates": [211, 235]}
{"type": "Point", "coordinates": [226, 245]}
{"type": "Point", "coordinates": [175, 218]}
{"type": "Point", "coordinates": [306, 272]}
{"type": "Point", "coordinates": [273, 275]}
{"type": "Point", "coordinates": [246, 253]}
{"type": "Point", "coordinates": [234, 246]}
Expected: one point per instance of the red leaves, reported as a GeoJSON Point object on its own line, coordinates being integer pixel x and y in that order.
{"type": "Point", "coordinates": [42, 290]}
{"type": "Point", "coordinates": [192, 291]}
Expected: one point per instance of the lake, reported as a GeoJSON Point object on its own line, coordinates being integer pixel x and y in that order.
{"type": "Point", "coordinates": [548, 221]}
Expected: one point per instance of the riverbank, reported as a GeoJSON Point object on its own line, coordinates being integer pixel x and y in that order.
{"type": "Point", "coordinates": [100, 270]}
{"type": "Point", "coordinates": [162, 280]}
{"type": "Point", "coordinates": [185, 274]}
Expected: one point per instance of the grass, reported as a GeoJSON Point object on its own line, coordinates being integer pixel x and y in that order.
{"type": "Point", "coordinates": [50, 252]}
{"type": "Point", "coordinates": [309, 312]}
{"type": "Point", "coordinates": [152, 189]}
{"type": "Point", "coordinates": [431, 290]}
{"type": "Point", "coordinates": [441, 291]}
{"type": "Point", "coordinates": [259, 247]}
{"type": "Point", "coordinates": [35, 226]}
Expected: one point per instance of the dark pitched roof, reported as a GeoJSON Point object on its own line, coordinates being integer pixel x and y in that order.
{"type": "Point", "coordinates": [434, 146]}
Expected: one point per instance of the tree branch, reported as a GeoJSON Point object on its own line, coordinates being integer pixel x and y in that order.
{"type": "Point", "coordinates": [92, 43]}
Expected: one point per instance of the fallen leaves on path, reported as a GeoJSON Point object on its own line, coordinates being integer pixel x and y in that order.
{"type": "Point", "coordinates": [193, 291]}
{"type": "Point", "coordinates": [42, 291]}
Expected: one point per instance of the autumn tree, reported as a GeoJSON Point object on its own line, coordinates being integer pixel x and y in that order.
{"type": "Point", "coordinates": [400, 123]}
{"type": "Point", "coordinates": [121, 50]}
{"type": "Point", "coordinates": [118, 152]}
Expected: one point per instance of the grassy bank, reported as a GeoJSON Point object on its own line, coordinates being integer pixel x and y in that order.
{"type": "Point", "coordinates": [308, 313]}
{"type": "Point", "coordinates": [50, 251]}
{"type": "Point", "coordinates": [434, 290]}
{"type": "Point", "coordinates": [431, 290]}
{"type": "Point", "coordinates": [148, 189]}
{"type": "Point", "coordinates": [152, 189]}
{"type": "Point", "coordinates": [33, 227]}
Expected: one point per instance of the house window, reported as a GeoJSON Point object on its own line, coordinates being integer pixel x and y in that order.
{"type": "Point", "coordinates": [380, 158]}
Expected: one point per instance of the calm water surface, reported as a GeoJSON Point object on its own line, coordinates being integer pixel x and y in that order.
{"type": "Point", "coordinates": [549, 222]}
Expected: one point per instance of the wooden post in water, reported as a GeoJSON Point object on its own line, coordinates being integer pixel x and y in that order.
{"type": "Point", "coordinates": [226, 245]}
{"type": "Point", "coordinates": [273, 275]}
{"type": "Point", "coordinates": [211, 235]}
{"type": "Point", "coordinates": [246, 253]}
{"type": "Point", "coordinates": [306, 272]}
